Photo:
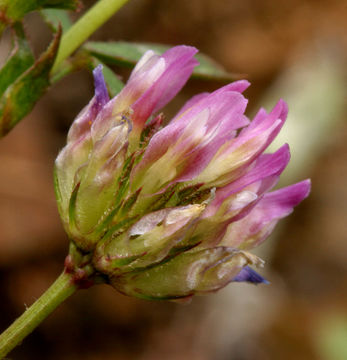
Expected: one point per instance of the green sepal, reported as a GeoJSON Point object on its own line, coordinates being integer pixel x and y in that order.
{"type": "Point", "coordinates": [123, 185]}
{"type": "Point", "coordinates": [127, 54]}
{"type": "Point", "coordinates": [72, 206]}
{"type": "Point", "coordinates": [151, 127]}
{"type": "Point", "coordinates": [57, 192]}
{"type": "Point", "coordinates": [21, 96]}
{"type": "Point", "coordinates": [129, 203]}
{"type": "Point", "coordinates": [120, 227]}
{"type": "Point", "coordinates": [117, 263]}
{"type": "Point", "coordinates": [164, 199]}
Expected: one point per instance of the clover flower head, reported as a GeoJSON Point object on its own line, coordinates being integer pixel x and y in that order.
{"type": "Point", "coordinates": [166, 212]}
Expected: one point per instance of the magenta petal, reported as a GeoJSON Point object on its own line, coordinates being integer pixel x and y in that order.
{"type": "Point", "coordinates": [224, 101]}
{"type": "Point", "coordinates": [256, 137]}
{"type": "Point", "coordinates": [238, 86]}
{"type": "Point", "coordinates": [266, 165]}
{"type": "Point", "coordinates": [263, 121]}
{"type": "Point", "coordinates": [250, 188]}
{"type": "Point", "coordinates": [179, 65]}
{"type": "Point", "coordinates": [225, 115]}
{"type": "Point", "coordinates": [280, 111]}
{"type": "Point", "coordinates": [189, 104]}
{"type": "Point", "coordinates": [280, 203]}
{"type": "Point", "coordinates": [168, 136]}
{"type": "Point", "coordinates": [254, 228]}
{"type": "Point", "coordinates": [277, 205]}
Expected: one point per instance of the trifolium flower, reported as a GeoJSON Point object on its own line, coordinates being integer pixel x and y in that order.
{"type": "Point", "coordinates": [169, 212]}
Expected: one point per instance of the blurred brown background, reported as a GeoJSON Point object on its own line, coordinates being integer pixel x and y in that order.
{"type": "Point", "coordinates": [292, 49]}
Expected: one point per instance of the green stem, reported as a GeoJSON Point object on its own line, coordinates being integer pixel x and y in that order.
{"type": "Point", "coordinates": [85, 26]}
{"type": "Point", "coordinates": [61, 289]}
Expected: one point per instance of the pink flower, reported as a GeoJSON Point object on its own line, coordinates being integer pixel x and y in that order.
{"type": "Point", "coordinates": [166, 213]}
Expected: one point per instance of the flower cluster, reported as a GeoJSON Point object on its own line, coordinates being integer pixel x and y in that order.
{"type": "Point", "coordinates": [169, 212]}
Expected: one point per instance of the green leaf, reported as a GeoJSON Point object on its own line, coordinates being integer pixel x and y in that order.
{"type": "Point", "coordinates": [19, 60]}
{"type": "Point", "coordinates": [21, 96]}
{"type": "Point", "coordinates": [84, 60]}
{"type": "Point", "coordinates": [127, 54]}
{"type": "Point", "coordinates": [54, 17]}
{"type": "Point", "coordinates": [114, 84]}
{"type": "Point", "coordinates": [57, 4]}
{"type": "Point", "coordinates": [14, 10]}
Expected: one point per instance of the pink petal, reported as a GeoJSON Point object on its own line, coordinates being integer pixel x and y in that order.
{"type": "Point", "coordinates": [267, 165]}
{"type": "Point", "coordinates": [263, 120]}
{"type": "Point", "coordinates": [280, 203]}
{"type": "Point", "coordinates": [179, 65]}
{"type": "Point", "coordinates": [238, 86]}
{"type": "Point", "coordinates": [259, 223]}
{"type": "Point", "coordinates": [190, 103]}
{"type": "Point", "coordinates": [243, 194]}
{"type": "Point", "coordinates": [225, 115]}
{"type": "Point", "coordinates": [245, 148]}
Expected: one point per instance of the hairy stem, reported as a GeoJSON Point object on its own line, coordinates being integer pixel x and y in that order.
{"type": "Point", "coordinates": [61, 289]}
{"type": "Point", "coordinates": [85, 26]}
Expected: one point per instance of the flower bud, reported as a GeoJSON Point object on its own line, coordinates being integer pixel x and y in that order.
{"type": "Point", "coordinates": [166, 213]}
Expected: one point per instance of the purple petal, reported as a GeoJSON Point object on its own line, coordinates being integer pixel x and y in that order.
{"type": "Point", "coordinates": [86, 117]}
{"type": "Point", "coordinates": [101, 93]}
{"type": "Point", "coordinates": [247, 274]}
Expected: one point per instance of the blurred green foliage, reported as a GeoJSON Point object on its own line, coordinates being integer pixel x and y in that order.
{"type": "Point", "coordinates": [128, 54]}
{"type": "Point", "coordinates": [331, 337]}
